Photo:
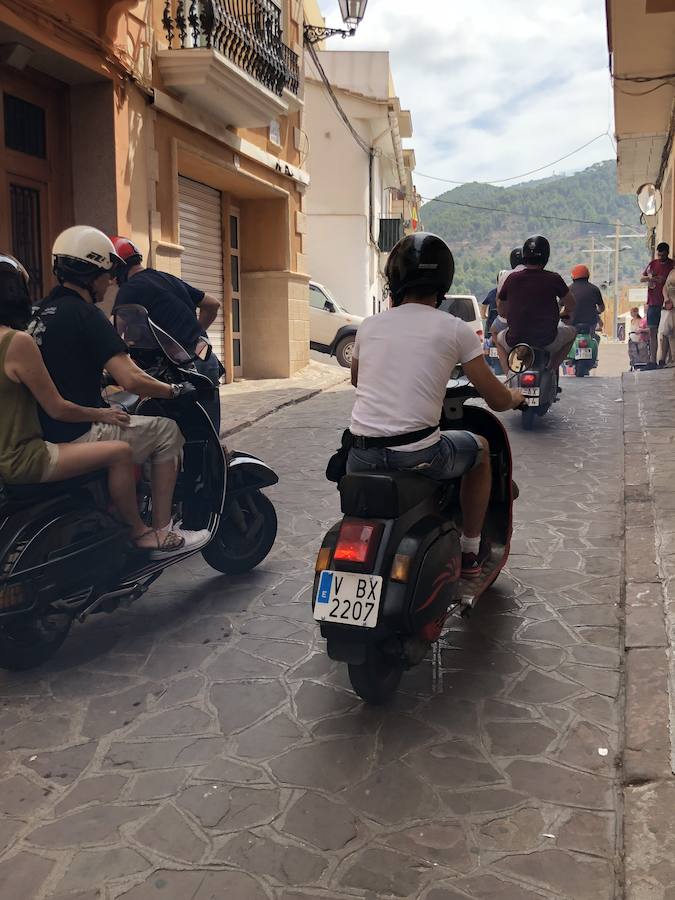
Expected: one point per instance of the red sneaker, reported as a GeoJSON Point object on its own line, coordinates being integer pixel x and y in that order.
{"type": "Point", "coordinates": [471, 566]}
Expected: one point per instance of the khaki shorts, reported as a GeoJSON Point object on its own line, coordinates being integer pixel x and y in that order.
{"type": "Point", "coordinates": [53, 458]}
{"type": "Point", "coordinates": [565, 336]}
{"type": "Point", "coordinates": [150, 437]}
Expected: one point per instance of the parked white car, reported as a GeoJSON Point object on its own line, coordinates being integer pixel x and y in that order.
{"type": "Point", "coordinates": [465, 307]}
{"type": "Point", "coordinates": [332, 328]}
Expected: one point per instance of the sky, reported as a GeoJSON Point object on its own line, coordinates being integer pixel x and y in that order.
{"type": "Point", "coordinates": [496, 87]}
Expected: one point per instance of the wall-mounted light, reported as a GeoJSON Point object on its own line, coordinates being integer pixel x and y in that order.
{"type": "Point", "coordinates": [352, 12]}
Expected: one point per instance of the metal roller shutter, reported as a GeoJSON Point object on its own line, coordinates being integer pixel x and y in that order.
{"type": "Point", "coordinates": [201, 234]}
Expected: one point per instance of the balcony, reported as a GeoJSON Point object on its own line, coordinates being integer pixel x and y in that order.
{"type": "Point", "coordinates": [227, 58]}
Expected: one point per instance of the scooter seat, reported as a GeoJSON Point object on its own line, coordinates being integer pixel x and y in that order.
{"type": "Point", "coordinates": [386, 495]}
{"type": "Point", "coordinates": [20, 495]}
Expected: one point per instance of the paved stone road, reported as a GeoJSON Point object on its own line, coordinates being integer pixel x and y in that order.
{"type": "Point", "coordinates": [201, 746]}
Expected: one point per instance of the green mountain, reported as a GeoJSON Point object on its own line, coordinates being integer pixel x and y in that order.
{"type": "Point", "coordinates": [481, 240]}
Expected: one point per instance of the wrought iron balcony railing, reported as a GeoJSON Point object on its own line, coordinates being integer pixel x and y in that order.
{"type": "Point", "coordinates": [247, 32]}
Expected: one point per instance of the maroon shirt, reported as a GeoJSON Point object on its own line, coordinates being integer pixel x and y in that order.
{"type": "Point", "coordinates": [657, 269]}
{"type": "Point", "coordinates": [533, 311]}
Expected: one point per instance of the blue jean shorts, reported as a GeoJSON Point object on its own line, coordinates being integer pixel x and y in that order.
{"type": "Point", "coordinates": [456, 453]}
{"type": "Point", "coordinates": [653, 316]}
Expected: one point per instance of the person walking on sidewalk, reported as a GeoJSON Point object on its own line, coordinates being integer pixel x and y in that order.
{"type": "Point", "coordinates": [183, 311]}
{"type": "Point", "coordinates": [667, 323]}
{"type": "Point", "coordinates": [655, 276]}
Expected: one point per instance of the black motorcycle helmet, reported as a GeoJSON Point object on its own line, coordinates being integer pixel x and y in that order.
{"type": "Point", "coordinates": [516, 258]}
{"type": "Point", "coordinates": [15, 304]}
{"type": "Point", "coordinates": [421, 264]}
{"type": "Point", "coordinates": [536, 251]}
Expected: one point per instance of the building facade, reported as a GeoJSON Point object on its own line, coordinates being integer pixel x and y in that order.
{"type": "Point", "coordinates": [361, 197]}
{"type": "Point", "coordinates": [641, 38]}
{"type": "Point", "coordinates": [178, 125]}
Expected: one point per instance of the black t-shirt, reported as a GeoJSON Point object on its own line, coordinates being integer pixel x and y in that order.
{"type": "Point", "coordinates": [170, 302]}
{"type": "Point", "coordinates": [589, 300]}
{"type": "Point", "coordinates": [533, 312]}
{"type": "Point", "coordinates": [76, 341]}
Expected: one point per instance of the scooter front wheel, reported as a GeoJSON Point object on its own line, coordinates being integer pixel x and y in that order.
{"type": "Point", "coordinates": [377, 679]}
{"type": "Point", "coordinates": [28, 642]}
{"type": "Point", "coordinates": [245, 536]}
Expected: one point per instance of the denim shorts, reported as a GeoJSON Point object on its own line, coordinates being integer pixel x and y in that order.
{"type": "Point", "coordinates": [456, 453]}
{"type": "Point", "coordinates": [653, 316]}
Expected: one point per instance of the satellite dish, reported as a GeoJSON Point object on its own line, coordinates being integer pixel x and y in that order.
{"type": "Point", "coordinates": [649, 199]}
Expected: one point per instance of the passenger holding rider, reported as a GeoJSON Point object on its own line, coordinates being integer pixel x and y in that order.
{"type": "Point", "coordinates": [25, 457]}
{"type": "Point", "coordinates": [77, 343]}
{"type": "Point", "coordinates": [402, 361]}
{"type": "Point", "coordinates": [528, 300]}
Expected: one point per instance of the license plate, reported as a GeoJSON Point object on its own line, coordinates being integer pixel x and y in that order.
{"type": "Point", "coordinates": [532, 401]}
{"type": "Point", "coordinates": [584, 353]}
{"type": "Point", "coordinates": [348, 599]}
{"type": "Point", "coordinates": [530, 392]}
{"type": "Point", "coordinates": [493, 353]}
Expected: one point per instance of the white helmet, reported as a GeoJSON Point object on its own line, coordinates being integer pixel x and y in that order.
{"type": "Point", "coordinates": [81, 253]}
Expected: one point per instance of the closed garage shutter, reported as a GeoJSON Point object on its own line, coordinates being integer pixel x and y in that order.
{"type": "Point", "coordinates": [201, 234]}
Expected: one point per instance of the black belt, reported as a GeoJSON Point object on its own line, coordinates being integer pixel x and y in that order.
{"type": "Point", "coordinates": [360, 442]}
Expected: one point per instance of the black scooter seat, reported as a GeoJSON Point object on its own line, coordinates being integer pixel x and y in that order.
{"type": "Point", "coordinates": [385, 495]}
{"type": "Point", "coordinates": [19, 495]}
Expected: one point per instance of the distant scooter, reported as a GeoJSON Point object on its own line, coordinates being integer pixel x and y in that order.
{"type": "Point", "coordinates": [584, 353]}
{"type": "Point", "coordinates": [534, 378]}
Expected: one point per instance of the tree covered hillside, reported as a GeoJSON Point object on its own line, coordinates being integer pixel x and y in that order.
{"type": "Point", "coordinates": [482, 241]}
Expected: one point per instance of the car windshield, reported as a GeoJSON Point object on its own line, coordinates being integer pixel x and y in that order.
{"type": "Point", "coordinates": [461, 307]}
{"type": "Point", "coordinates": [324, 293]}
{"type": "Point", "coordinates": [139, 332]}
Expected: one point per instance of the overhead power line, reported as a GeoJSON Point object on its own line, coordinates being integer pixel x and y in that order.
{"type": "Point", "coordinates": [520, 214]}
{"type": "Point", "coordinates": [522, 174]}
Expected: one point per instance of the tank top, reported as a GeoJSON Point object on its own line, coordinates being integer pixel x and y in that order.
{"type": "Point", "coordinates": [23, 454]}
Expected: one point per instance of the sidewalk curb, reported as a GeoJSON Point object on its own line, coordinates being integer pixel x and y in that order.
{"type": "Point", "coordinates": [308, 395]}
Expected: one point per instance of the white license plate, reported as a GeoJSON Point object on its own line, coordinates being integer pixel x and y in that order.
{"type": "Point", "coordinates": [493, 353]}
{"type": "Point", "coordinates": [532, 401]}
{"type": "Point", "coordinates": [348, 599]}
{"type": "Point", "coordinates": [584, 353]}
{"type": "Point", "coordinates": [530, 392]}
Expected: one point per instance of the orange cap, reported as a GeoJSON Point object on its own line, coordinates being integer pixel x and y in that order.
{"type": "Point", "coordinates": [580, 272]}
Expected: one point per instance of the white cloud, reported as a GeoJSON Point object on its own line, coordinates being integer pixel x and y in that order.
{"type": "Point", "coordinates": [496, 87]}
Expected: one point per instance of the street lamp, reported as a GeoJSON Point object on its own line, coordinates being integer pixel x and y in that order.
{"type": "Point", "coordinates": [352, 12]}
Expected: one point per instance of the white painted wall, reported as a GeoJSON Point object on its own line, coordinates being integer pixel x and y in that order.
{"type": "Point", "coordinates": [338, 247]}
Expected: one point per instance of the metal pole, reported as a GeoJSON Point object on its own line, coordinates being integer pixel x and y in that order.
{"type": "Point", "coordinates": [617, 237]}
{"type": "Point", "coordinates": [592, 257]}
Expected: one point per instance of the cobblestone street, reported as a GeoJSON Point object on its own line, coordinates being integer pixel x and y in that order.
{"type": "Point", "coordinates": [201, 745]}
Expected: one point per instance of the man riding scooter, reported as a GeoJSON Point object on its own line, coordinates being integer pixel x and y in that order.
{"type": "Point", "coordinates": [528, 300]}
{"type": "Point", "coordinates": [183, 311]}
{"type": "Point", "coordinates": [402, 361]}
{"type": "Point", "coordinates": [77, 343]}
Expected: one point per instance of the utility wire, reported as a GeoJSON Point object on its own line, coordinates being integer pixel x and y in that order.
{"type": "Point", "coordinates": [523, 174]}
{"type": "Point", "coordinates": [522, 215]}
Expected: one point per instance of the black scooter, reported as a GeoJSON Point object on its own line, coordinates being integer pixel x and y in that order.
{"type": "Point", "coordinates": [64, 555]}
{"type": "Point", "coordinates": [535, 380]}
{"type": "Point", "coordinates": [388, 574]}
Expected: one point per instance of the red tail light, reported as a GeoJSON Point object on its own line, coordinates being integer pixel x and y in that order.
{"type": "Point", "coordinates": [528, 380]}
{"type": "Point", "coordinates": [357, 542]}
{"type": "Point", "coordinates": [479, 332]}
{"type": "Point", "coordinates": [583, 343]}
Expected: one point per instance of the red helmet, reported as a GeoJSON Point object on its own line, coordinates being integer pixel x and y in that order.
{"type": "Point", "coordinates": [580, 271]}
{"type": "Point", "coordinates": [127, 250]}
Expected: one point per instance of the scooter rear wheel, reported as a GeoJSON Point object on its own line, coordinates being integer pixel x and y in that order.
{"type": "Point", "coordinates": [26, 643]}
{"type": "Point", "coordinates": [377, 679]}
{"type": "Point", "coordinates": [529, 415]}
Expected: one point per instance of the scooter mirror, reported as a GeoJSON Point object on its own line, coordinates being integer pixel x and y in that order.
{"type": "Point", "coordinates": [521, 358]}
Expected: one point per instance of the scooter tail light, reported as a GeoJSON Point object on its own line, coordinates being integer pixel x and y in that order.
{"type": "Point", "coordinates": [528, 380]}
{"type": "Point", "coordinates": [583, 343]}
{"type": "Point", "coordinates": [479, 332]}
{"type": "Point", "coordinates": [357, 542]}
{"type": "Point", "coordinates": [323, 559]}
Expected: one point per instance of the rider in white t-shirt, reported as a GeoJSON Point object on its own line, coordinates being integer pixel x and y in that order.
{"type": "Point", "coordinates": [402, 361]}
